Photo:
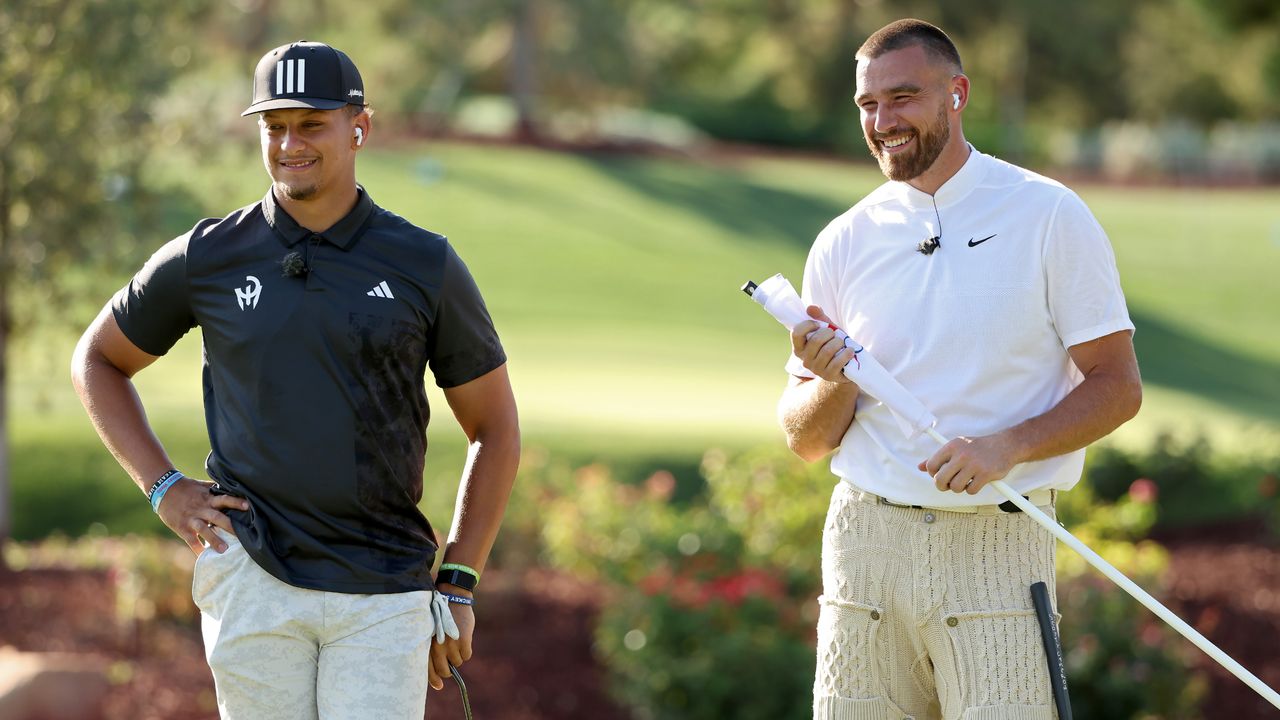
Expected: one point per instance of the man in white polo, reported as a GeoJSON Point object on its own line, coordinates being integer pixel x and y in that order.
{"type": "Point", "coordinates": [991, 294]}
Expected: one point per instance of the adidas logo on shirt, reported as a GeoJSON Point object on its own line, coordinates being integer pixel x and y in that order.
{"type": "Point", "coordinates": [381, 290]}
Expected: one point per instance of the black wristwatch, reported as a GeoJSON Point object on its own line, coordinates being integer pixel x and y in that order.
{"type": "Point", "coordinates": [458, 578]}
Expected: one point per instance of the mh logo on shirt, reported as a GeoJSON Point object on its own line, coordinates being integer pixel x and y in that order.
{"type": "Point", "coordinates": [248, 295]}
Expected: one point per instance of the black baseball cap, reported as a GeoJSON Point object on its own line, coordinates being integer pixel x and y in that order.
{"type": "Point", "coordinates": [305, 75]}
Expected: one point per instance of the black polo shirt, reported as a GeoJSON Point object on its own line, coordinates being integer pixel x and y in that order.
{"type": "Point", "coordinates": [313, 382]}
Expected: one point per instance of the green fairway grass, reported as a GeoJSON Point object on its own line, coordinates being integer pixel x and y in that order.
{"type": "Point", "coordinates": [614, 284]}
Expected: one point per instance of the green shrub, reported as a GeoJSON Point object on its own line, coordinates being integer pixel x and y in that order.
{"type": "Point", "coordinates": [693, 618]}
{"type": "Point", "coordinates": [777, 505]}
{"type": "Point", "coordinates": [625, 535]}
{"type": "Point", "coordinates": [1194, 484]}
{"type": "Point", "coordinates": [729, 647]}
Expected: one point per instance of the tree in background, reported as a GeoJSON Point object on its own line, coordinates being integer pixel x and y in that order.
{"type": "Point", "coordinates": [1252, 30]}
{"type": "Point", "coordinates": [780, 72]}
{"type": "Point", "coordinates": [77, 79]}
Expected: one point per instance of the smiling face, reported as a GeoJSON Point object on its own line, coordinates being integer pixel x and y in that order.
{"type": "Point", "coordinates": [904, 99]}
{"type": "Point", "coordinates": [310, 154]}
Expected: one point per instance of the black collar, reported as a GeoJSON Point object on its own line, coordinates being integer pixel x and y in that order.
{"type": "Point", "coordinates": [342, 234]}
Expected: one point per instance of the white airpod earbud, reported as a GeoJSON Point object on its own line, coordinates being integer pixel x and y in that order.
{"type": "Point", "coordinates": [955, 101]}
{"type": "Point", "coordinates": [360, 134]}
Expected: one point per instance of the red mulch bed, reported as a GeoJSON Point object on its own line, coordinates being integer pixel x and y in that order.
{"type": "Point", "coordinates": [533, 656]}
{"type": "Point", "coordinates": [1225, 582]}
{"type": "Point", "coordinates": [533, 653]}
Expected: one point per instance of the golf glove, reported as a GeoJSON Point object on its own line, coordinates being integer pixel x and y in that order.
{"type": "Point", "coordinates": [442, 617]}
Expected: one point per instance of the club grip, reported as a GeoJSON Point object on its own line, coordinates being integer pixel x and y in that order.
{"type": "Point", "coordinates": [1052, 649]}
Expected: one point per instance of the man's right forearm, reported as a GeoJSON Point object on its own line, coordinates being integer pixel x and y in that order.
{"type": "Point", "coordinates": [102, 369]}
{"type": "Point", "coordinates": [815, 414]}
{"type": "Point", "coordinates": [116, 412]}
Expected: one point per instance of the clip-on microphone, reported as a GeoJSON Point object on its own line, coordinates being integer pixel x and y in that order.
{"type": "Point", "coordinates": [294, 265]}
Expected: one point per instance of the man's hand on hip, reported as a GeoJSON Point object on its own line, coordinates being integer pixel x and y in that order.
{"type": "Point", "coordinates": [967, 464]}
{"type": "Point", "coordinates": [818, 348]}
{"type": "Point", "coordinates": [191, 511]}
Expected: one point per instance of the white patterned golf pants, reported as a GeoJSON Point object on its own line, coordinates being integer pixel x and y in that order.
{"type": "Point", "coordinates": [927, 614]}
{"type": "Point", "coordinates": [279, 652]}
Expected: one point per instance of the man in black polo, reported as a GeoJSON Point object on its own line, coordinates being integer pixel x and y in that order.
{"type": "Point", "coordinates": [320, 313]}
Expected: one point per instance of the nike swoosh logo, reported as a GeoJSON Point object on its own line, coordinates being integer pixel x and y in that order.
{"type": "Point", "coordinates": [976, 243]}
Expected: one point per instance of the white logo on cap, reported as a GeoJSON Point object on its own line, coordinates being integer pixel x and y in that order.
{"type": "Point", "coordinates": [284, 76]}
{"type": "Point", "coordinates": [354, 93]}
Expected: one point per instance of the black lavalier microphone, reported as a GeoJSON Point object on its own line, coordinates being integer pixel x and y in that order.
{"type": "Point", "coordinates": [294, 265]}
{"type": "Point", "coordinates": [926, 247]}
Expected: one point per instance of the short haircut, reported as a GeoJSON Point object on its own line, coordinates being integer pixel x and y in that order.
{"type": "Point", "coordinates": [907, 33]}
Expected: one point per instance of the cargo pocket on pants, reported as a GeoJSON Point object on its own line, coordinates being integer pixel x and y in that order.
{"type": "Point", "coordinates": [847, 684]}
{"type": "Point", "coordinates": [998, 667]}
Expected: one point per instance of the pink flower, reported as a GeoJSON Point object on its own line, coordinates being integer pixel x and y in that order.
{"type": "Point", "coordinates": [736, 588]}
{"type": "Point", "coordinates": [1209, 619]}
{"type": "Point", "coordinates": [688, 592]}
{"type": "Point", "coordinates": [656, 581]}
{"type": "Point", "coordinates": [1151, 635]}
{"type": "Point", "coordinates": [660, 485]}
{"type": "Point", "coordinates": [1143, 491]}
{"type": "Point", "coordinates": [1267, 485]}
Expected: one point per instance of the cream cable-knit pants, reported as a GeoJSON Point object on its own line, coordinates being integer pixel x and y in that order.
{"type": "Point", "coordinates": [927, 614]}
{"type": "Point", "coordinates": [279, 652]}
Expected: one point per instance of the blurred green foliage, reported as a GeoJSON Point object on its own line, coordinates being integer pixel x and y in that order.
{"type": "Point", "coordinates": [1189, 482]}
{"type": "Point", "coordinates": [693, 612]}
{"type": "Point", "coordinates": [77, 83]}
{"type": "Point", "coordinates": [722, 658]}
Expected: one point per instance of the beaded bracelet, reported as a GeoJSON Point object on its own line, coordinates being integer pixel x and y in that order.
{"type": "Point", "coordinates": [161, 486]}
{"type": "Point", "coordinates": [458, 599]}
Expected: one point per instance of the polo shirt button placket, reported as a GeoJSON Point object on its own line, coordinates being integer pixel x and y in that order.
{"type": "Point", "coordinates": [313, 245]}
{"type": "Point", "coordinates": [929, 518]}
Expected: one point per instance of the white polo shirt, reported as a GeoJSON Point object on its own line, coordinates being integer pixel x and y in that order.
{"type": "Point", "coordinates": [979, 330]}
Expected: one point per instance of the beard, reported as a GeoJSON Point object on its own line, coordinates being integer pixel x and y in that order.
{"type": "Point", "coordinates": [929, 143]}
{"type": "Point", "coordinates": [297, 192]}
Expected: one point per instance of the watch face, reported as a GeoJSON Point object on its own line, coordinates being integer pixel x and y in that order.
{"type": "Point", "coordinates": [466, 581]}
